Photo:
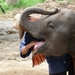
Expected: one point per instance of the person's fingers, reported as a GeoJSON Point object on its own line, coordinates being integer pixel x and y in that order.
{"type": "Point", "coordinates": [32, 43]}
{"type": "Point", "coordinates": [32, 19]}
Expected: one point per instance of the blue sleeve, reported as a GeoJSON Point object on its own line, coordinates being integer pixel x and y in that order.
{"type": "Point", "coordinates": [26, 40]}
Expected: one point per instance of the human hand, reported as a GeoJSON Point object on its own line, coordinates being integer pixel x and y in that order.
{"type": "Point", "coordinates": [33, 19]}
{"type": "Point", "coordinates": [27, 47]}
{"type": "Point", "coordinates": [31, 44]}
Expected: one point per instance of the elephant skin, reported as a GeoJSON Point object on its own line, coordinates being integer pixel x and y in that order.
{"type": "Point", "coordinates": [56, 29]}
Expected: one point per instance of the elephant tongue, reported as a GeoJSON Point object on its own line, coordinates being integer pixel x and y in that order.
{"type": "Point", "coordinates": [38, 45]}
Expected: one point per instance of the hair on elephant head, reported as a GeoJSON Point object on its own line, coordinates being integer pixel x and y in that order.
{"type": "Point", "coordinates": [56, 29]}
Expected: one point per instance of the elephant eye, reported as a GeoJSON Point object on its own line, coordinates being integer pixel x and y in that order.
{"type": "Point", "coordinates": [50, 25]}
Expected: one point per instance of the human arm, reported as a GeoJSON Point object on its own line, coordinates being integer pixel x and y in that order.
{"type": "Point", "coordinates": [27, 47]}
{"type": "Point", "coordinates": [27, 43]}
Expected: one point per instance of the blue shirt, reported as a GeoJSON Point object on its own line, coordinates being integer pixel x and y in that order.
{"type": "Point", "coordinates": [56, 64]}
{"type": "Point", "coordinates": [26, 40]}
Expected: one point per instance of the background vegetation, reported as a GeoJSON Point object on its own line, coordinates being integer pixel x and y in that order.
{"type": "Point", "coordinates": [66, 0]}
{"type": "Point", "coordinates": [22, 3]}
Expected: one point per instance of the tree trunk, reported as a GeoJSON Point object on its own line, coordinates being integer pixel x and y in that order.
{"type": "Point", "coordinates": [11, 2]}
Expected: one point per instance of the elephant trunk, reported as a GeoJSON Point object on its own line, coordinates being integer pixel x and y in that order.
{"type": "Point", "coordinates": [30, 26]}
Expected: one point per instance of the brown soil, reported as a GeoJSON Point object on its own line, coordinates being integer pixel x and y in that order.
{"type": "Point", "coordinates": [10, 61]}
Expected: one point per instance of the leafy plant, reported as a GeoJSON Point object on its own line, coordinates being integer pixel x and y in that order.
{"type": "Point", "coordinates": [22, 3]}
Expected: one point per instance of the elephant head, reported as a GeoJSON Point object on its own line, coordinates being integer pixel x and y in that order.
{"type": "Point", "coordinates": [56, 29]}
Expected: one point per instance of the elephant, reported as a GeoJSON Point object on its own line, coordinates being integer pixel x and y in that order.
{"type": "Point", "coordinates": [56, 29]}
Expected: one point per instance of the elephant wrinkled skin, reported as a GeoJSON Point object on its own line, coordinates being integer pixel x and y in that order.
{"type": "Point", "coordinates": [57, 29]}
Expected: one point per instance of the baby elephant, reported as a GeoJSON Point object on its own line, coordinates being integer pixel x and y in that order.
{"type": "Point", "coordinates": [56, 29]}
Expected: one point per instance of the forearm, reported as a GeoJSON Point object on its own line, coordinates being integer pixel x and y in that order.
{"type": "Point", "coordinates": [25, 49]}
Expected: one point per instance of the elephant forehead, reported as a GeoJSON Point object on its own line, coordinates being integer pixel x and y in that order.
{"type": "Point", "coordinates": [62, 27]}
{"type": "Point", "coordinates": [64, 14]}
{"type": "Point", "coordinates": [63, 20]}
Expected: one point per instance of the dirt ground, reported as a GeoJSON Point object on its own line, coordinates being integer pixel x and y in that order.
{"type": "Point", "coordinates": [10, 61]}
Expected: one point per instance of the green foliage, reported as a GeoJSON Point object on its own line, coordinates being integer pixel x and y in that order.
{"type": "Point", "coordinates": [22, 3]}
{"type": "Point", "coordinates": [66, 0]}
{"type": "Point", "coordinates": [27, 3]}
{"type": "Point", "coordinates": [71, 0]}
{"type": "Point", "coordinates": [59, 0]}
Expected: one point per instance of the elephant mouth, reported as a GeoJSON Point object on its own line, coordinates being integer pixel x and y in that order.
{"type": "Point", "coordinates": [39, 45]}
